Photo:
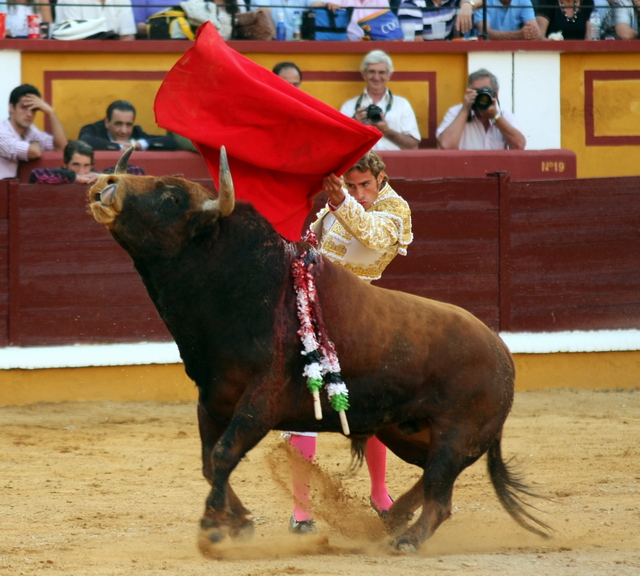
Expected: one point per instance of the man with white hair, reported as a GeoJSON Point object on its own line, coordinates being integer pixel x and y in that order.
{"type": "Point", "coordinates": [377, 106]}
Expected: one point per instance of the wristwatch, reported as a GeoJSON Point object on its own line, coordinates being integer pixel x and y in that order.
{"type": "Point", "coordinates": [496, 117]}
{"type": "Point", "coordinates": [471, 3]}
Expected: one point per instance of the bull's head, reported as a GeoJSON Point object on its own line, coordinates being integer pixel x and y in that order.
{"type": "Point", "coordinates": [157, 215]}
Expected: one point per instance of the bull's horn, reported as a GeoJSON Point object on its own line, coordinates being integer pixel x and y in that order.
{"type": "Point", "coordinates": [121, 166]}
{"type": "Point", "coordinates": [226, 198]}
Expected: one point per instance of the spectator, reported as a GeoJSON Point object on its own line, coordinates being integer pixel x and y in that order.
{"type": "Point", "coordinates": [226, 11]}
{"type": "Point", "coordinates": [361, 9]}
{"type": "Point", "coordinates": [464, 20]}
{"type": "Point", "coordinates": [287, 8]}
{"type": "Point", "coordinates": [509, 20]}
{"type": "Point", "coordinates": [117, 13]}
{"type": "Point", "coordinates": [117, 131]}
{"type": "Point", "coordinates": [17, 12]}
{"type": "Point", "coordinates": [77, 167]}
{"type": "Point", "coordinates": [471, 126]}
{"type": "Point", "coordinates": [142, 9]}
{"type": "Point", "coordinates": [603, 7]}
{"type": "Point", "coordinates": [395, 117]}
{"type": "Point", "coordinates": [428, 15]}
{"type": "Point", "coordinates": [19, 139]}
{"type": "Point", "coordinates": [622, 21]}
{"type": "Point", "coordinates": [289, 72]}
{"type": "Point", "coordinates": [571, 20]}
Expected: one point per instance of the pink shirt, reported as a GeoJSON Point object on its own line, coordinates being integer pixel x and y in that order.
{"type": "Point", "coordinates": [362, 9]}
{"type": "Point", "coordinates": [15, 148]}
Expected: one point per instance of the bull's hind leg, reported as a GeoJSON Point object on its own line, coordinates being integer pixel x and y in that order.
{"type": "Point", "coordinates": [443, 465]}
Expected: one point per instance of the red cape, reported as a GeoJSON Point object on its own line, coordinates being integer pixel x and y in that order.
{"type": "Point", "coordinates": [280, 141]}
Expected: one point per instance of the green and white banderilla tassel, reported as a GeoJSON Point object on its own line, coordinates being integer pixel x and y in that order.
{"type": "Point", "coordinates": [321, 362]}
{"type": "Point", "coordinates": [339, 398]}
{"type": "Point", "coordinates": [313, 372]}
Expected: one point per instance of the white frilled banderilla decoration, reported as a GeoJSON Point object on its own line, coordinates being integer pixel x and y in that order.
{"type": "Point", "coordinates": [321, 362]}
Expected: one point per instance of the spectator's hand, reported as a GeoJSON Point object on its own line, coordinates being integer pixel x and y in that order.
{"type": "Point", "coordinates": [35, 150]}
{"type": "Point", "coordinates": [332, 185]}
{"type": "Point", "coordinates": [464, 21]}
{"type": "Point", "coordinates": [469, 99]}
{"type": "Point", "coordinates": [382, 125]}
{"type": "Point", "coordinates": [36, 103]}
{"type": "Point", "coordinates": [89, 178]}
{"type": "Point", "coordinates": [126, 144]}
{"type": "Point", "coordinates": [530, 32]}
{"type": "Point", "coordinates": [333, 7]}
{"type": "Point", "coordinates": [361, 115]}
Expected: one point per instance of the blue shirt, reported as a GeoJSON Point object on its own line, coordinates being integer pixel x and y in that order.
{"type": "Point", "coordinates": [506, 18]}
{"type": "Point", "coordinates": [142, 9]}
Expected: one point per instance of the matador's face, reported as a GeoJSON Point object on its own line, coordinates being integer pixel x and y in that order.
{"type": "Point", "coordinates": [363, 186]}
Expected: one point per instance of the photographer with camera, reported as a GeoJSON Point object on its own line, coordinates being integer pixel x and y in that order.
{"type": "Point", "coordinates": [479, 123]}
{"type": "Point", "coordinates": [20, 140]}
{"type": "Point", "coordinates": [377, 106]}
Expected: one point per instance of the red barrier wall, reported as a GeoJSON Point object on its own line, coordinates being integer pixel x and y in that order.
{"type": "Point", "coordinates": [523, 256]}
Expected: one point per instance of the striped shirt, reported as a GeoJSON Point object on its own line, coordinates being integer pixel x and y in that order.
{"type": "Point", "coordinates": [424, 13]}
{"type": "Point", "coordinates": [15, 148]}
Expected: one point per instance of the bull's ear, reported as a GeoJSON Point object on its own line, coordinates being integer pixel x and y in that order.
{"type": "Point", "coordinates": [203, 222]}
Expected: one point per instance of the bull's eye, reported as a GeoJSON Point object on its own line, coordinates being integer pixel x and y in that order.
{"type": "Point", "coordinates": [171, 197]}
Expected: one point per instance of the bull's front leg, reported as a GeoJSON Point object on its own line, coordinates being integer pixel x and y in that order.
{"type": "Point", "coordinates": [221, 518]}
{"type": "Point", "coordinates": [210, 432]}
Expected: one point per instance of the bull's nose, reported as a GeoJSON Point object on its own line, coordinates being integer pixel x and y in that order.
{"type": "Point", "coordinates": [107, 194]}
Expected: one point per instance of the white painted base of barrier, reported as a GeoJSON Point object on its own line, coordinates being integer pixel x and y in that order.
{"type": "Point", "coordinates": [144, 353]}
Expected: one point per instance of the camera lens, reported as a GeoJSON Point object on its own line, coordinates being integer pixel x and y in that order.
{"type": "Point", "coordinates": [484, 98]}
{"type": "Point", "coordinates": [374, 113]}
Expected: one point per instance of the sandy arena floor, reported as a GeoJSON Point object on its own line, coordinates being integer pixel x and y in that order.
{"type": "Point", "coordinates": [115, 489]}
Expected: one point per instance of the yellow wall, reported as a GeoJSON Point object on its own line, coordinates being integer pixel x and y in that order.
{"type": "Point", "coordinates": [594, 370]}
{"type": "Point", "coordinates": [82, 101]}
{"type": "Point", "coordinates": [616, 102]}
{"type": "Point", "coordinates": [169, 383]}
{"type": "Point", "coordinates": [617, 113]}
{"type": "Point", "coordinates": [160, 383]}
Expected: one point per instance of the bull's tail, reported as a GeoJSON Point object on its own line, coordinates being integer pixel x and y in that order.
{"type": "Point", "coordinates": [509, 487]}
{"type": "Point", "coordinates": [358, 451]}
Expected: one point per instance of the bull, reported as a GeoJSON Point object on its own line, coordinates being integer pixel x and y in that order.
{"type": "Point", "coordinates": [430, 380]}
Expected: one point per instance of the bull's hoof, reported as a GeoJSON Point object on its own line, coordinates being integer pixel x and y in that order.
{"type": "Point", "coordinates": [403, 546]}
{"type": "Point", "coordinates": [244, 531]}
{"type": "Point", "coordinates": [211, 533]}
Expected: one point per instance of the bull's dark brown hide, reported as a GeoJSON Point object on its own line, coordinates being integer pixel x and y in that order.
{"type": "Point", "coordinates": [428, 378]}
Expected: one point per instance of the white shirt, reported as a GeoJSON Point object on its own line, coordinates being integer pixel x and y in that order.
{"type": "Point", "coordinates": [14, 147]}
{"type": "Point", "coordinates": [16, 22]}
{"type": "Point", "coordinates": [474, 136]}
{"type": "Point", "coordinates": [400, 117]}
{"type": "Point", "coordinates": [117, 13]}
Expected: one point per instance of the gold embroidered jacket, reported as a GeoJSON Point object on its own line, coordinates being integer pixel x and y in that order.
{"type": "Point", "coordinates": [365, 241]}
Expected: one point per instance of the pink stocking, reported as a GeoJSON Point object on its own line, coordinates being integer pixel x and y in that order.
{"type": "Point", "coordinates": [301, 475]}
{"type": "Point", "coordinates": [377, 463]}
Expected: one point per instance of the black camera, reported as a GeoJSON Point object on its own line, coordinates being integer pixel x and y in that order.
{"type": "Point", "coordinates": [374, 113]}
{"type": "Point", "coordinates": [484, 98]}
